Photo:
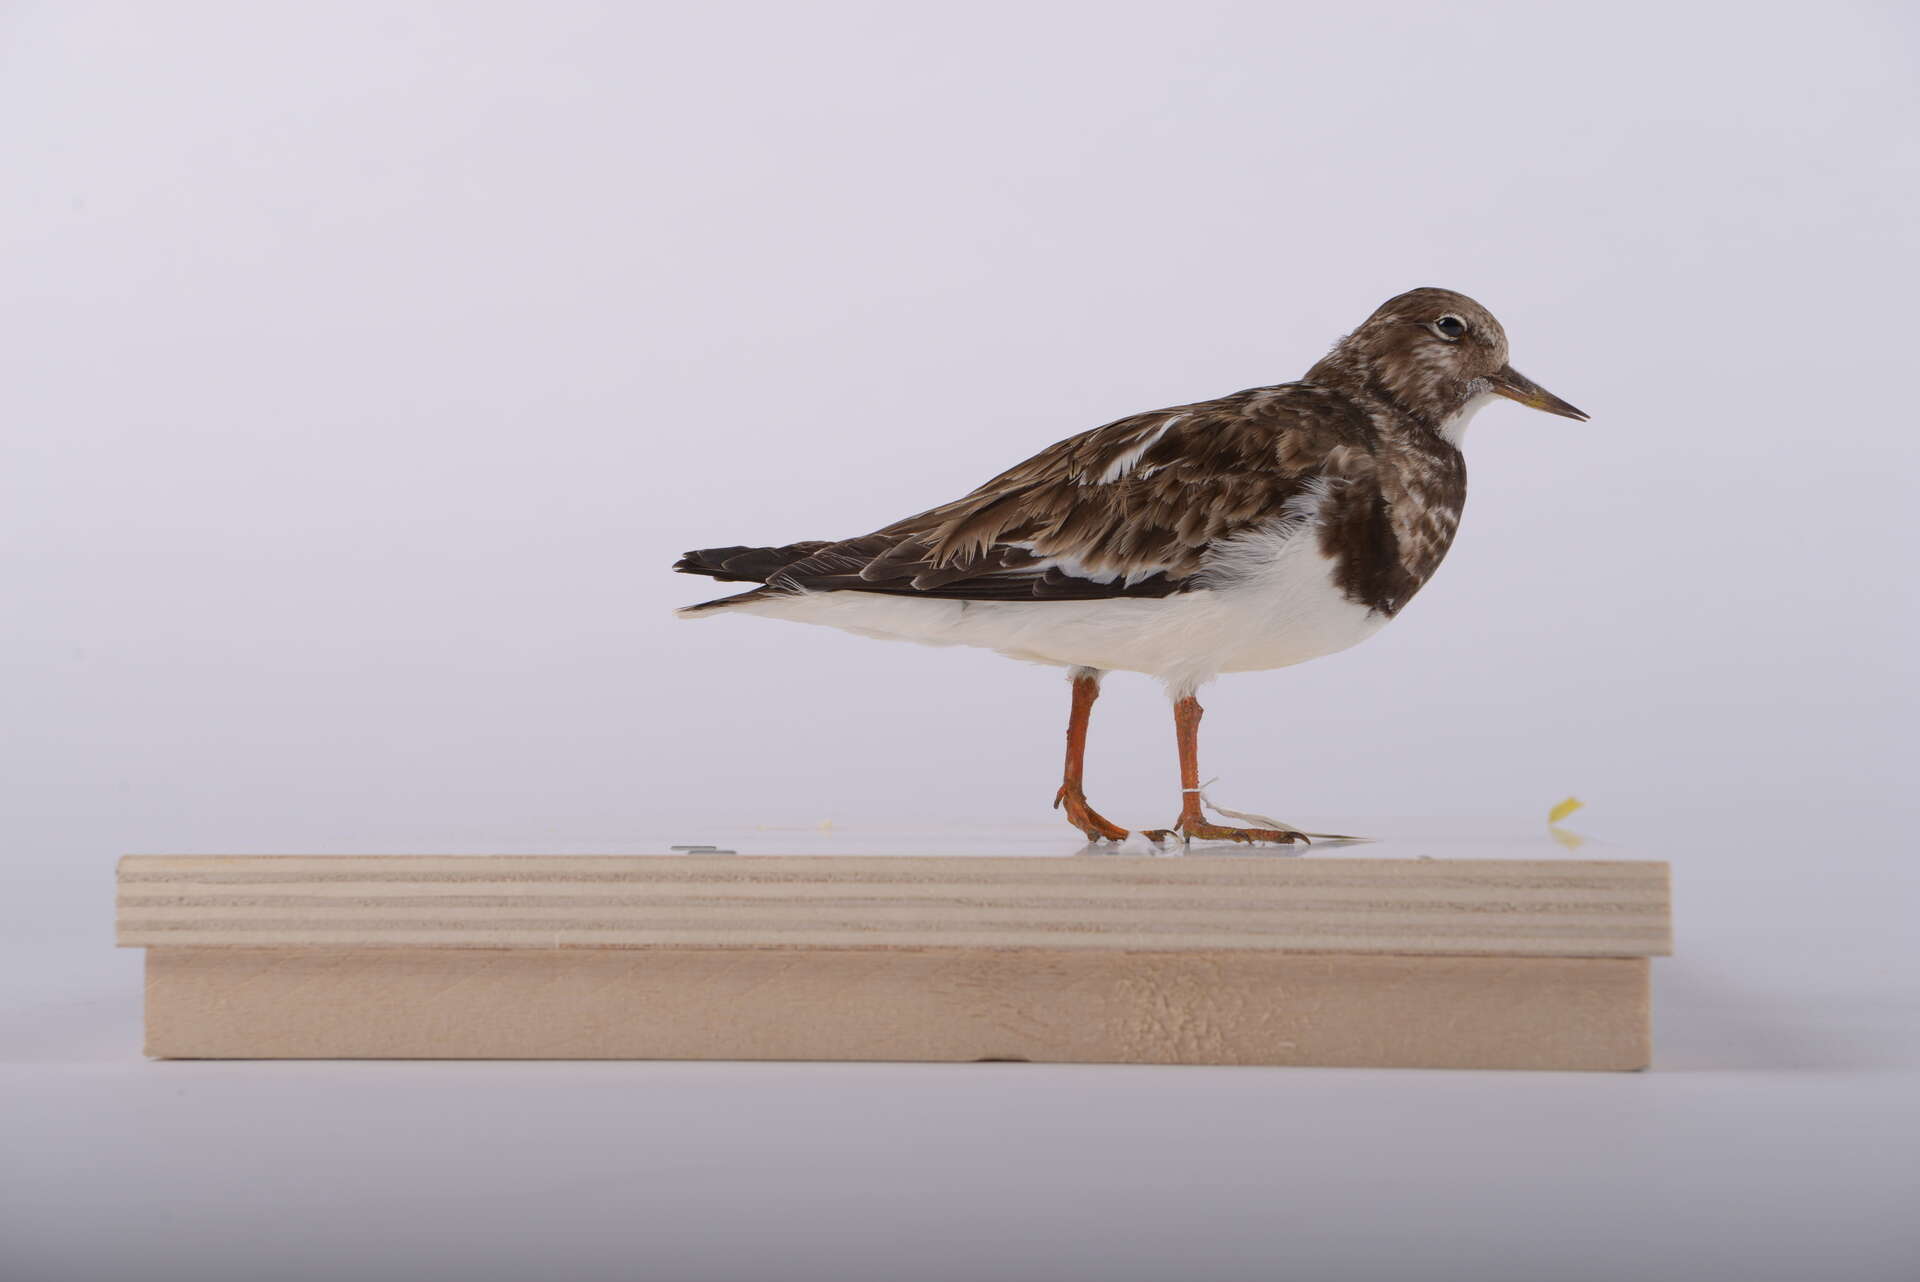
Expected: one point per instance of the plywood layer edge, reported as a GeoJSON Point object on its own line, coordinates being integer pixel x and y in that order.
{"type": "Point", "coordinates": [1527, 908]}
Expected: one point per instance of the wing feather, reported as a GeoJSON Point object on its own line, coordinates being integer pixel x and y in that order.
{"type": "Point", "coordinates": [1128, 509]}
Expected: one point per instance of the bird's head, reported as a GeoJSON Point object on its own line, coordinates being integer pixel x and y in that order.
{"type": "Point", "coordinates": [1435, 354]}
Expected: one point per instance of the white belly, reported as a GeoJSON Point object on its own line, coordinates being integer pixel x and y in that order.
{"type": "Point", "coordinates": [1278, 607]}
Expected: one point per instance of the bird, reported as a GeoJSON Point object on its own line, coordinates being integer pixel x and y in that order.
{"type": "Point", "coordinates": [1257, 530]}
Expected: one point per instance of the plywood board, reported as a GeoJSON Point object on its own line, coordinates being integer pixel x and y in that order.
{"type": "Point", "coordinates": [1533, 908]}
{"type": "Point", "coordinates": [1071, 1005]}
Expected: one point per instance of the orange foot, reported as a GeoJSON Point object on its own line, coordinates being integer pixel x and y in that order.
{"type": "Point", "coordinates": [1085, 817]}
{"type": "Point", "coordinates": [1201, 830]}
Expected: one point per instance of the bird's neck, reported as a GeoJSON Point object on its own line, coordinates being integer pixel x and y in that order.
{"type": "Point", "coordinates": [1434, 407]}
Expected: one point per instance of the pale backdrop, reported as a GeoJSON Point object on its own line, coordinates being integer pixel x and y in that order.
{"type": "Point", "coordinates": [366, 367]}
{"type": "Point", "coordinates": [363, 367]}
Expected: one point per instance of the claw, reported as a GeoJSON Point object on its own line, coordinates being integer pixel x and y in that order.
{"type": "Point", "coordinates": [1089, 821]}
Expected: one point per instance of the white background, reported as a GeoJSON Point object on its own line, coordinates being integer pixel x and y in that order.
{"type": "Point", "coordinates": [363, 368]}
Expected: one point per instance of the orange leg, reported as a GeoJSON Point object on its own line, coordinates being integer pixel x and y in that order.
{"type": "Point", "coordinates": [1192, 823]}
{"type": "Point", "coordinates": [1086, 688]}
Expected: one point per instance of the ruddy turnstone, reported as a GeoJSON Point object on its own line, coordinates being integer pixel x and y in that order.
{"type": "Point", "coordinates": [1257, 530]}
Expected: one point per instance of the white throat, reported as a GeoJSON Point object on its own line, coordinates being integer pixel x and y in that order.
{"type": "Point", "coordinates": [1455, 428]}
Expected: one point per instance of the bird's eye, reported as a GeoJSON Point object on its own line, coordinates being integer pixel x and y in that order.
{"type": "Point", "coordinates": [1450, 327]}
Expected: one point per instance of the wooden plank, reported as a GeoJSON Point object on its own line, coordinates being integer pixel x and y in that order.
{"type": "Point", "coordinates": [1571, 908]}
{"type": "Point", "coordinates": [1067, 1006]}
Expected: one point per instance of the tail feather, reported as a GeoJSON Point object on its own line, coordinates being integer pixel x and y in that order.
{"type": "Point", "coordinates": [746, 564]}
{"type": "Point", "coordinates": [741, 565]}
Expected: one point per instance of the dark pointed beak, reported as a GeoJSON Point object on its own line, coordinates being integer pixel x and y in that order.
{"type": "Point", "coordinates": [1515, 386]}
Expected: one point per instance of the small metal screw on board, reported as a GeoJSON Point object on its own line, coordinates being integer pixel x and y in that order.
{"type": "Point", "coordinates": [701, 850]}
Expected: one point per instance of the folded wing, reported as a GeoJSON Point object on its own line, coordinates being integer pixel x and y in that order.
{"type": "Point", "coordinates": [1128, 509]}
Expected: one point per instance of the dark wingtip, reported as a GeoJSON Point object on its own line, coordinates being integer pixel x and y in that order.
{"type": "Point", "coordinates": [719, 603]}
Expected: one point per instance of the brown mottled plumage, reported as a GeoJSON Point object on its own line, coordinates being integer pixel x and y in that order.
{"type": "Point", "coordinates": [1366, 420]}
{"type": "Point", "coordinates": [1197, 503]}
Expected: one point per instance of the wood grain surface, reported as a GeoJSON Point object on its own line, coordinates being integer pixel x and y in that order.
{"type": "Point", "coordinates": [1075, 1006]}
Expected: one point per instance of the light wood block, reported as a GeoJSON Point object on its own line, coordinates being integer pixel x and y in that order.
{"type": "Point", "coordinates": [1199, 959]}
